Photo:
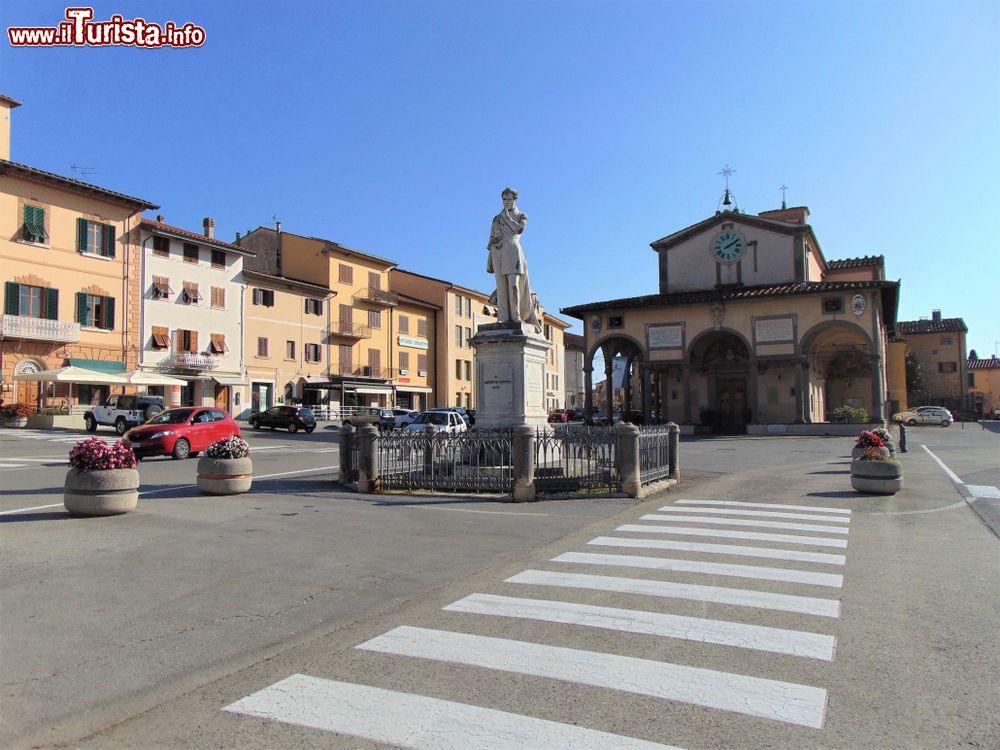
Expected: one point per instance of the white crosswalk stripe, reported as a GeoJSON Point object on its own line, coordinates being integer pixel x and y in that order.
{"type": "Point", "coordinates": [415, 721]}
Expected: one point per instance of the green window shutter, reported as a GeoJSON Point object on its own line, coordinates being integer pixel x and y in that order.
{"type": "Point", "coordinates": [81, 308]}
{"type": "Point", "coordinates": [109, 313]}
{"type": "Point", "coordinates": [52, 304]}
{"type": "Point", "coordinates": [12, 300]}
{"type": "Point", "coordinates": [109, 240]}
{"type": "Point", "coordinates": [81, 235]}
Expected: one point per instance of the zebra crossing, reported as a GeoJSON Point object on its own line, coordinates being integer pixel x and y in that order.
{"type": "Point", "coordinates": [645, 566]}
{"type": "Point", "coordinates": [56, 437]}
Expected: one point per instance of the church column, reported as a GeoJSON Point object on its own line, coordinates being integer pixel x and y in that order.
{"type": "Point", "coordinates": [627, 395]}
{"type": "Point", "coordinates": [644, 381]}
{"type": "Point", "coordinates": [878, 402]}
{"type": "Point", "coordinates": [588, 392]}
{"type": "Point", "coordinates": [609, 390]}
{"type": "Point", "coordinates": [686, 385]}
{"type": "Point", "coordinates": [753, 400]}
{"type": "Point", "coordinates": [800, 401]}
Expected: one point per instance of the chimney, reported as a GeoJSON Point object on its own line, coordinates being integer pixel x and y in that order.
{"type": "Point", "coordinates": [209, 224]}
{"type": "Point", "coordinates": [794, 215]}
{"type": "Point", "coordinates": [936, 316]}
{"type": "Point", "coordinates": [159, 218]}
{"type": "Point", "coordinates": [6, 106]}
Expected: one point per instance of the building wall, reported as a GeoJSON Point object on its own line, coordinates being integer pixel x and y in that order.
{"type": "Point", "coordinates": [984, 388]}
{"type": "Point", "coordinates": [57, 264]}
{"type": "Point", "coordinates": [409, 347]}
{"type": "Point", "coordinates": [573, 389]}
{"type": "Point", "coordinates": [938, 352]}
{"type": "Point", "coordinates": [555, 363]}
{"type": "Point", "coordinates": [896, 376]}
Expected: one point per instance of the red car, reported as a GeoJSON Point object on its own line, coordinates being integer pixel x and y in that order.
{"type": "Point", "coordinates": [181, 432]}
{"type": "Point", "coordinates": [559, 415]}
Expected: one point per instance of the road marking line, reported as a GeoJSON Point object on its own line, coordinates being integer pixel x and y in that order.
{"type": "Point", "coordinates": [756, 513]}
{"type": "Point", "coordinates": [470, 510]}
{"type": "Point", "coordinates": [779, 506]}
{"type": "Point", "coordinates": [261, 476]}
{"type": "Point", "coordinates": [24, 510]}
{"type": "Point", "coordinates": [720, 549]}
{"type": "Point", "coordinates": [833, 580]}
{"type": "Point", "coordinates": [952, 475]}
{"type": "Point", "coordinates": [741, 522]}
{"type": "Point", "coordinates": [807, 605]}
{"type": "Point", "coordinates": [814, 541]}
{"type": "Point", "coordinates": [50, 459]}
{"type": "Point", "coordinates": [257, 448]}
{"type": "Point", "coordinates": [721, 632]}
{"type": "Point", "coordinates": [752, 696]}
{"type": "Point", "coordinates": [984, 491]}
{"type": "Point", "coordinates": [417, 722]}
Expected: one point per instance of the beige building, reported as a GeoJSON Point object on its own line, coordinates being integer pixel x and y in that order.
{"type": "Point", "coordinates": [751, 327]}
{"type": "Point", "coordinates": [286, 341]}
{"type": "Point", "coordinates": [413, 324]}
{"type": "Point", "coordinates": [939, 346]}
{"type": "Point", "coordinates": [69, 266]}
{"type": "Point", "coordinates": [358, 330]}
{"type": "Point", "coordinates": [554, 330]}
{"type": "Point", "coordinates": [984, 386]}
{"type": "Point", "coordinates": [573, 371]}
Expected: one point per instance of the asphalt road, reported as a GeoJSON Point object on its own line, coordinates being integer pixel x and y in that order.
{"type": "Point", "coordinates": [137, 631]}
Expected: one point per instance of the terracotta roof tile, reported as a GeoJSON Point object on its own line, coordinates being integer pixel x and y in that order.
{"type": "Point", "coordinates": [201, 238]}
{"type": "Point", "coordinates": [865, 262]}
{"type": "Point", "coordinates": [8, 167]}
{"type": "Point", "coordinates": [945, 325]}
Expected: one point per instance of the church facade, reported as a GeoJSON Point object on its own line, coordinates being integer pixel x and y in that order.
{"type": "Point", "coordinates": [752, 326]}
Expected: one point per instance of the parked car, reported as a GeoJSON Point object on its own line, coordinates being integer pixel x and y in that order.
{"type": "Point", "coordinates": [123, 411]}
{"type": "Point", "coordinates": [460, 410]}
{"type": "Point", "coordinates": [471, 414]}
{"type": "Point", "coordinates": [925, 415]}
{"type": "Point", "coordinates": [181, 432]}
{"type": "Point", "coordinates": [442, 420]}
{"type": "Point", "coordinates": [393, 418]}
{"type": "Point", "coordinates": [363, 416]}
{"type": "Point", "coordinates": [292, 418]}
{"type": "Point", "coordinates": [634, 416]}
{"type": "Point", "coordinates": [575, 415]}
{"type": "Point", "coordinates": [559, 415]}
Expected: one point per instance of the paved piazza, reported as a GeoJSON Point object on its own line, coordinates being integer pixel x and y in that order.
{"type": "Point", "coordinates": [762, 603]}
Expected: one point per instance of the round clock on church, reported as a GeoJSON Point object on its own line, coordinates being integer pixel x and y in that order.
{"type": "Point", "coordinates": [729, 247]}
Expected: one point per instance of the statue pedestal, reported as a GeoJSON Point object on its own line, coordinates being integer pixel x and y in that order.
{"type": "Point", "coordinates": [510, 376]}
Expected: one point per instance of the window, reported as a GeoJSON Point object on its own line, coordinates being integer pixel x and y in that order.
{"type": "Point", "coordinates": [548, 331]}
{"type": "Point", "coordinates": [468, 370]}
{"type": "Point", "coordinates": [468, 307]}
{"type": "Point", "coordinates": [187, 341]}
{"type": "Point", "coordinates": [375, 318]}
{"type": "Point", "coordinates": [314, 306]}
{"type": "Point", "coordinates": [218, 344]}
{"type": "Point", "coordinates": [344, 359]}
{"type": "Point", "coordinates": [468, 335]}
{"type": "Point", "coordinates": [218, 297]}
{"type": "Point", "coordinates": [946, 340]}
{"type": "Point", "coordinates": [263, 297]}
{"type": "Point", "coordinates": [458, 337]}
{"type": "Point", "coordinates": [161, 337]}
{"type": "Point", "coordinates": [31, 301]}
{"type": "Point", "coordinates": [190, 253]}
{"type": "Point", "coordinates": [422, 327]}
{"type": "Point", "coordinates": [972, 380]}
{"type": "Point", "coordinates": [404, 361]}
{"type": "Point", "coordinates": [374, 280]}
{"type": "Point", "coordinates": [458, 305]}
{"type": "Point", "coordinates": [289, 350]}
{"type": "Point", "coordinates": [346, 274]}
{"type": "Point", "coordinates": [95, 238]}
{"type": "Point", "coordinates": [616, 321]}
{"type": "Point", "coordinates": [218, 259]}
{"type": "Point", "coordinates": [422, 363]}
{"type": "Point", "coordinates": [458, 399]}
{"type": "Point", "coordinates": [458, 369]}
{"type": "Point", "coordinates": [161, 247]}
{"type": "Point", "coordinates": [947, 367]}
{"type": "Point", "coordinates": [404, 324]}
{"type": "Point", "coordinates": [95, 311]}
{"type": "Point", "coordinates": [833, 305]}
{"type": "Point", "coordinates": [34, 224]}
{"type": "Point", "coordinates": [161, 288]}
{"type": "Point", "coordinates": [468, 400]}
{"type": "Point", "coordinates": [261, 346]}
{"type": "Point", "coordinates": [312, 353]}
{"type": "Point", "coordinates": [191, 295]}
{"type": "Point", "coordinates": [346, 318]}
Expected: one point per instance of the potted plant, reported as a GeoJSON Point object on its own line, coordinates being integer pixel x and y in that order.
{"type": "Point", "coordinates": [16, 415]}
{"type": "Point", "coordinates": [868, 439]}
{"type": "Point", "coordinates": [875, 472]}
{"type": "Point", "coordinates": [103, 480]}
{"type": "Point", "coordinates": [226, 468]}
{"type": "Point", "coordinates": [886, 438]}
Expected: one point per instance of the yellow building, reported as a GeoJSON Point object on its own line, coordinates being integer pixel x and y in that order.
{"type": "Point", "coordinates": [71, 293]}
{"type": "Point", "coordinates": [554, 330]}
{"type": "Point", "coordinates": [751, 328]}
{"type": "Point", "coordinates": [939, 346]}
{"type": "Point", "coordinates": [359, 328]}
{"type": "Point", "coordinates": [984, 386]}
{"type": "Point", "coordinates": [412, 349]}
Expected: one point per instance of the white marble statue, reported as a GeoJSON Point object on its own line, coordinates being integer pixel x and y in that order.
{"type": "Point", "coordinates": [515, 302]}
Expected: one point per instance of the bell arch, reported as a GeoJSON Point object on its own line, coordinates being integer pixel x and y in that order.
{"type": "Point", "coordinates": [610, 347]}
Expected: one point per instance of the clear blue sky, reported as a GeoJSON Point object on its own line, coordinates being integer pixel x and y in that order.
{"type": "Point", "coordinates": [392, 127]}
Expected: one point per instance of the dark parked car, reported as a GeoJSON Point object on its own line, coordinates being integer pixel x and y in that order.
{"type": "Point", "coordinates": [634, 416]}
{"type": "Point", "coordinates": [181, 432]}
{"type": "Point", "coordinates": [559, 415]}
{"type": "Point", "coordinates": [291, 418]}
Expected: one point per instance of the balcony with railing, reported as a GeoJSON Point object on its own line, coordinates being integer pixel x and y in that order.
{"type": "Point", "coordinates": [375, 296]}
{"type": "Point", "coordinates": [188, 361]}
{"type": "Point", "coordinates": [348, 370]}
{"type": "Point", "coordinates": [39, 329]}
{"type": "Point", "coordinates": [348, 331]}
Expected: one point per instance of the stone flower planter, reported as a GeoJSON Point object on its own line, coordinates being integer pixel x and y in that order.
{"type": "Point", "coordinates": [16, 422]}
{"type": "Point", "coordinates": [857, 453]}
{"type": "Point", "coordinates": [878, 477]}
{"type": "Point", "coordinates": [224, 476]}
{"type": "Point", "coordinates": [103, 492]}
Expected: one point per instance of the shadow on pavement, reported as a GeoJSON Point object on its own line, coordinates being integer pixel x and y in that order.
{"type": "Point", "coordinates": [840, 472]}
{"type": "Point", "coordinates": [842, 495]}
{"type": "Point", "coordinates": [55, 515]}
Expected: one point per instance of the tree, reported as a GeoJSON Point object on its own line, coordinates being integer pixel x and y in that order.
{"type": "Point", "coordinates": [914, 376]}
{"type": "Point", "coordinates": [972, 354]}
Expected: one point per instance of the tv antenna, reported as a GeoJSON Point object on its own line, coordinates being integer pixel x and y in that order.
{"type": "Point", "coordinates": [77, 171]}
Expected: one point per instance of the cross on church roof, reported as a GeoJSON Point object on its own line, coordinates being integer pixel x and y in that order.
{"type": "Point", "coordinates": [783, 188]}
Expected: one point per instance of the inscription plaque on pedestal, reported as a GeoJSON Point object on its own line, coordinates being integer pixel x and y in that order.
{"type": "Point", "coordinates": [498, 386]}
{"type": "Point", "coordinates": [533, 385]}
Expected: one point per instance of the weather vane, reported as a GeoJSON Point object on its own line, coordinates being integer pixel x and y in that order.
{"type": "Point", "coordinates": [783, 188]}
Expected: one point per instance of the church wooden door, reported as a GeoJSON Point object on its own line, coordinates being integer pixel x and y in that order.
{"type": "Point", "coordinates": [732, 393]}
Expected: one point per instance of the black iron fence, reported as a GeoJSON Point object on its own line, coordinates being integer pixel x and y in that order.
{"type": "Point", "coordinates": [654, 454]}
{"type": "Point", "coordinates": [473, 461]}
{"type": "Point", "coordinates": [576, 459]}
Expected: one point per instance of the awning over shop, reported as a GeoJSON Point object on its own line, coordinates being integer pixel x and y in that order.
{"type": "Point", "coordinates": [72, 374]}
{"type": "Point", "coordinates": [223, 380]}
{"type": "Point", "coordinates": [371, 389]}
{"type": "Point", "coordinates": [140, 377]}
{"type": "Point", "coordinates": [99, 365]}
{"type": "Point", "coordinates": [315, 380]}
{"type": "Point", "coordinates": [414, 388]}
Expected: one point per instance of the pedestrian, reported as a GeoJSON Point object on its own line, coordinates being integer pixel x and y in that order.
{"type": "Point", "coordinates": [902, 438]}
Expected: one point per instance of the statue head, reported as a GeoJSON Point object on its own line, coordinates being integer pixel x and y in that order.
{"type": "Point", "coordinates": [509, 195]}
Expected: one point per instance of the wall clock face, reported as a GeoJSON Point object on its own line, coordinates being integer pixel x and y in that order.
{"type": "Point", "coordinates": [729, 247]}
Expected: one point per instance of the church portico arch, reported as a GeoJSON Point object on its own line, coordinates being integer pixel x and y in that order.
{"type": "Point", "coordinates": [718, 365]}
{"type": "Point", "coordinates": [842, 369]}
{"type": "Point", "coordinates": [629, 350]}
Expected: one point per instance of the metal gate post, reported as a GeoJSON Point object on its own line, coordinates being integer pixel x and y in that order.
{"type": "Point", "coordinates": [627, 452]}
{"type": "Point", "coordinates": [523, 458]}
{"type": "Point", "coordinates": [347, 469]}
{"type": "Point", "coordinates": [367, 458]}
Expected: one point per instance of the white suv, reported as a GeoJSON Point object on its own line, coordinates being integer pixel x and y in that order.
{"type": "Point", "coordinates": [441, 421]}
{"type": "Point", "coordinates": [123, 412]}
